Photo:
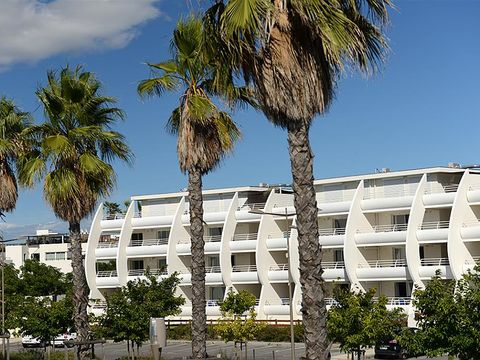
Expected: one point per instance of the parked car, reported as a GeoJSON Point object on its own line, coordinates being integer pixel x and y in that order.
{"type": "Point", "coordinates": [59, 341]}
{"type": "Point", "coordinates": [28, 341]}
{"type": "Point", "coordinates": [391, 348]}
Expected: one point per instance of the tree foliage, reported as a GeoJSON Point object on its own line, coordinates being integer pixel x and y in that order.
{"type": "Point", "coordinates": [129, 309]}
{"type": "Point", "coordinates": [448, 315]}
{"type": "Point", "coordinates": [358, 320]}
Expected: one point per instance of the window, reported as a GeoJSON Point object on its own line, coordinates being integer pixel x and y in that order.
{"type": "Point", "coordinates": [163, 234]}
{"type": "Point", "coordinates": [60, 256]}
{"type": "Point", "coordinates": [340, 223]}
{"type": "Point", "coordinates": [398, 253]}
{"type": "Point", "coordinates": [422, 252]}
{"type": "Point", "coordinates": [69, 255]}
{"type": "Point", "coordinates": [137, 265]}
{"type": "Point", "coordinates": [216, 231]}
{"type": "Point", "coordinates": [214, 261]}
{"type": "Point", "coordinates": [49, 256]}
{"type": "Point", "coordinates": [137, 236]}
{"type": "Point", "coordinates": [338, 255]}
{"type": "Point", "coordinates": [162, 263]}
{"type": "Point", "coordinates": [35, 257]}
{"type": "Point", "coordinates": [401, 289]}
{"type": "Point", "coordinates": [400, 219]}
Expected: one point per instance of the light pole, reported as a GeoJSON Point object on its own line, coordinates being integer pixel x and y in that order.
{"type": "Point", "coordinates": [290, 302]}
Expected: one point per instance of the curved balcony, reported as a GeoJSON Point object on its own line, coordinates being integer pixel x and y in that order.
{"type": "Point", "coordinates": [277, 243]}
{"type": "Point", "coordinates": [212, 245]}
{"type": "Point", "coordinates": [142, 273]}
{"type": "Point", "coordinates": [277, 307]}
{"type": "Point", "coordinates": [244, 242]}
{"type": "Point", "coordinates": [244, 274]}
{"type": "Point", "coordinates": [386, 199]}
{"type": "Point", "coordinates": [331, 238]}
{"type": "Point", "coordinates": [152, 220]}
{"type": "Point", "coordinates": [107, 279]}
{"type": "Point", "coordinates": [213, 307]}
{"type": "Point", "coordinates": [213, 216]}
{"type": "Point", "coordinates": [438, 195]}
{"type": "Point", "coordinates": [278, 273]}
{"type": "Point", "coordinates": [473, 194]}
{"type": "Point", "coordinates": [185, 277]}
{"type": "Point", "coordinates": [470, 230]}
{"type": "Point", "coordinates": [147, 247]}
{"type": "Point", "coordinates": [382, 234]}
{"type": "Point", "coordinates": [213, 275]}
{"type": "Point", "coordinates": [333, 270]}
{"type": "Point", "coordinates": [433, 232]}
{"type": "Point", "coordinates": [470, 264]}
{"type": "Point", "coordinates": [382, 270]}
{"type": "Point", "coordinates": [429, 267]}
{"type": "Point", "coordinates": [106, 249]}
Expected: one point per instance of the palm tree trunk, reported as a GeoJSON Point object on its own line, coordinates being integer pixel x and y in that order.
{"type": "Point", "coordinates": [199, 317]}
{"type": "Point", "coordinates": [314, 311]}
{"type": "Point", "coordinates": [80, 290]}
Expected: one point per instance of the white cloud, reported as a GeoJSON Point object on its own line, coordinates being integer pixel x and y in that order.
{"type": "Point", "coordinates": [32, 30]}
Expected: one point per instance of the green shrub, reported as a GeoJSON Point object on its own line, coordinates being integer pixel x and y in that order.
{"type": "Point", "coordinates": [280, 334]}
{"type": "Point", "coordinates": [183, 332]}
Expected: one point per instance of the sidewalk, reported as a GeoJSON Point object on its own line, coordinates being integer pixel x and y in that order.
{"type": "Point", "coordinates": [342, 356]}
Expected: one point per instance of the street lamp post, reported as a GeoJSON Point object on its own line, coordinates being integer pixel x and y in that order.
{"type": "Point", "coordinates": [289, 272]}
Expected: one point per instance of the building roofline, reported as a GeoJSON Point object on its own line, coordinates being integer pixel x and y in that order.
{"type": "Point", "coordinates": [204, 192]}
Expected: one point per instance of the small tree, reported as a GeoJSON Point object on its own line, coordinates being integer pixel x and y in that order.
{"type": "Point", "coordinates": [128, 312]}
{"type": "Point", "coordinates": [233, 327]}
{"type": "Point", "coordinates": [111, 209]}
{"type": "Point", "coordinates": [357, 321]}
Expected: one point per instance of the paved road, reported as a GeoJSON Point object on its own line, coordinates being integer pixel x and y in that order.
{"type": "Point", "coordinates": [177, 350]}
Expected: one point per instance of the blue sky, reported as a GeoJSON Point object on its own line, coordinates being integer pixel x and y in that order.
{"type": "Point", "coordinates": [422, 110]}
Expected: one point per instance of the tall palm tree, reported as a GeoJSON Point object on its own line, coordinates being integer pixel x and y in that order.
{"type": "Point", "coordinates": [12, 122]}
{"type": "Point", "coordinates": [292, 52]}
{"type": "Point", "coordinates": [72, 154]}
{"type": "Point", "coordinates": [205, 135]}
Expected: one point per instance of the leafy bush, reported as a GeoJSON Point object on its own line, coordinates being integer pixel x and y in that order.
{"type": "Point", "coordinates": [280, 334]}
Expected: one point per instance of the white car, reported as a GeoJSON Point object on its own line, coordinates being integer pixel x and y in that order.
{"type": "Point", "coordinates": [61, 338]}
{"type": "Point", "coordinates": [28, 341]}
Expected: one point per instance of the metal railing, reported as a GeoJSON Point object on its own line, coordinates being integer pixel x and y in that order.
{"type": "Point", "coordinates": [388, 192]}
{"type": "Point", "coordinates": [278, 267]}
{"type": "Point", "coordinates": [383, 228]}
{"type": "Point", "coordinates": [330, 301]}
{"type": "Point", "coordinates": [383, 263]}
{"type": "Point", "coordinates": [114, 216]}
{"type": "Point", "coordinates": [206, 238]}
{"type": "Point", "coordinates": [112, 273]}
{"type": "Point", "coordinates": [324, 197]}
{"type": "Point", "coordinates": [213, 302]}
{"type": "Point", "coordinates": [436, 188]}
{"type": "Point", "coordinates": [333, 264]}
{"type": "Point", "coordinates": [141, 272]}
{"type": "Point", "coordinates": [247, 236]}
{"type": "Point", "coordinates": [432, 225]}
{"type": "Point", "coordinates": [148, 242]}
{"type": "Point", "coordinates": [107, 244]}
{"type": "Point", "coordinates": [471, 223]}
{"type": "Point", "coordinates": [213, 269]}
{"type": "Point", "coordinates": [331, 231]}
{"type": "Point", "coordinates": [434, 262]}
{"type": "Point", "coordinates": [99, 305]}
{"type": "Point", "coordinates": [252, 206]}
{"type": "Point", "coordinates": [281, 301]}
{"type": "Point", "coordinates": [396, 301]}
{"type": "Point", "coordinates": [244, 268]}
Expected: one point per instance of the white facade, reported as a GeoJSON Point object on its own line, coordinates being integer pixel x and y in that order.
{"type": "Point", "coordinates": [390, 231]}
{"type": "Point", "coordinates": [49, 248]}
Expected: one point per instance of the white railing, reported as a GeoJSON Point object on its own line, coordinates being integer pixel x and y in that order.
{"type": "Point", "coordinates": [434, 262]}
{"type": "Point", "coordinates": [213, 302]}
{"type": "Point", "coordinates": [278, 267]}
{"type": "Point", "coordinates": [436, 188]}
{"type": "Point", "coordinates": [471, 223]}
{"type": "Point", "coordinates": [252, 206]}
{"type": "Point", "coordinates": [148, 242]}
{"type": "Point", "coordinates": [397, 301]}
{"type": "Point", "coordinates": [281, 301]}
{"type": "Point", "coordinates": [206, 238]}
{"type": "Point", "coordinates": [99, 305]}
{"type": "Point", "coordinates": [476, 260]}
{"type": "Point", "coordinates": [244, 268]}
{"type": "Point", "coordinates": [114, 216]}
{"type": "Point", "coordinates": [330, 301]}
{"type": "Point", "coordinates": [383, 263]}
{"type": "Point", "coordinates": [383, 228]}
{"type": "Point", "coordinates": [432, 225]}
{"type": "Point", "coordinates": [248, 236]}
{"type": "Point", "coordinates": [141, 272]}
{"type": "Point", "coordinates": [213, 269]}
{"type": "Point", "coordinates": [107, 244]}
{"type": "Point", "coordinates": [474, 187]}
{"type": "Point", "coordinates": [331, 231]}
{"type": "Point", "coordinates": [324, 197]}
{"type": "Point", "coordinates": [388, 192]}
{"type": "Point", "coordinates": [112, 273]}
{"type": "Point", "coordinates": [333, 264]}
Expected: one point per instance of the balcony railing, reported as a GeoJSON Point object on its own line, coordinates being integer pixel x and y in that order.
{"type": "Point", "coordinates": [471, 223]}
{"type": "Point", "coordinates": [281, 301]}
{"type": "Point", "coordinates": [213, 302]}
{"type": "Point", "coordinates": [324, 197]}
{"type": "Point", "coordinates": [278, 267]}
{"type": "Point", "coordinates": [206, 238]}
{"type": "Point", "coordinates": [141, 272]}
{"type": "Point", "coordinates": [394, 301]}
{"type": "Point", "coordinates": [434, 262]}
{"type": "Point", "coordinates": [112, 273]}
{"type": "Point", "coordinates": [387, 192]}
{"type": "Point", "coordinates": [252, 206]}
{"type": "Point", "coordinates": [99, 305]}
{"type": "Point", "coordinates": [331, 231]}
{"type": "Point", "coordinates": [248, 236]}
{"type": "Point", "coordinates": [433, 225]}
{"type": "Point", "coordinates": [149, 242]}
{"type": "Point", "coordinates": [436, 188]}
{"type": "Point", "coordinates": [213, 269]}
{"type": "Point", "coordinates": [107, 244]}
{"type": "Point", "coordinates": [114, 216]}
{"type": "Point", "coordinates": [383, 263]}
{"type": "Point", "coordinates": [383, 228]}
{"type": "Point", "coordinates": [333, 264]}
{"type": "Point", "coordinates": [244, 268]}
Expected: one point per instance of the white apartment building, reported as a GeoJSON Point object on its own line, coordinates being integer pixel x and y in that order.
{"type": "Point", "coordinates": [390, 231]}
{"type": "Point", "coordinates": [47, 247]}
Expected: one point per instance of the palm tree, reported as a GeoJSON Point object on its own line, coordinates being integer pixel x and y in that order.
{"type": "Point", "coordinates": [292, 52]}
{"type": "Point", "coordinates": [205, 135]}
{"type": "Point", "coordinates": [112, 209]}
{"type": "Point", "coordinates": [72, 154]}
{"type": "Point", "coordinates": [12, 122]}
